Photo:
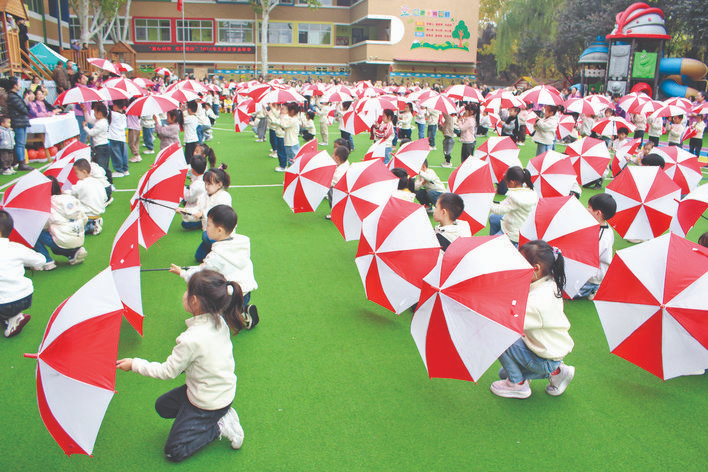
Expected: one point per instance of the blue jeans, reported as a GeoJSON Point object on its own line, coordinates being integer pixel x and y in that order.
{"type": "Point", "coordinates": [521, 363]}
{"type": "Point", "coordinates": [427, 197]}
{"type": "Point", "coordinates": [191, 224]}
{"type": "Point", "coordinates": [291, 152]}
{"type": "Point", "coordinates": [119, 155]}
{"type": "Point", "coordinates": [204, 248]}
{"type": "Point", "coordinates": [405, 133]}
{"type": "Point", "coordinates": [20, 142]}
{"type": "Point", "coordinates": [46, 242]}
{"type": "Point", "coordinates": [421, 130]}
{"type": "Point", "coordinates": [587, 289]}
{"type": "Point", "coordinates": [271, 137]}
{"type": "Point", "coordinates": [193, 428]}
{"type": "Point", "coordinates": [432, 131]}
{"type": "Point", "coordinates": [387, 155]}
{"type": "Point", "coordinates": [149, 139]}
{"type": "Point", "coordinates": [215, 107]}
{"type": "Point", "coordinates": [102, 158]}
{"type": "Point", "coordinates": [200, 133]}
{"type": "Point", "coordinates": [8, 310]}
{"type": "Point", "coordinates": [282, 156]}
{"type": "Point", "coordinates": [83, 135]}
{"type": "Point", "coordinates": [541, 148]}
{"type": "Point", "coordinates": [495, 224]}
{"type": "Point", "coordinates": [348, 136]}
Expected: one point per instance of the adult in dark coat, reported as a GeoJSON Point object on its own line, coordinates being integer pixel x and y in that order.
{"type": "Point", "coordinates": [18, 112]}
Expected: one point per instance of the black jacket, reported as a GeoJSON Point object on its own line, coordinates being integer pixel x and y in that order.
{"type": "Point", "coordinates": [17, 110]}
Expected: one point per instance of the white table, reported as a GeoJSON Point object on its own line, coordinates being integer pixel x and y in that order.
{"type": "Point", "coordinates": [55, 128]}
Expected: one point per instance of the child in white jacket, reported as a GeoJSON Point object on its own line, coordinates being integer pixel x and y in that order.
{"type": "Point", "coordinates": [508, 216]}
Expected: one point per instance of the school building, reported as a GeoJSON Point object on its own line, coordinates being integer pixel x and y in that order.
{"type": "Point", "coordinates": [415, 40]}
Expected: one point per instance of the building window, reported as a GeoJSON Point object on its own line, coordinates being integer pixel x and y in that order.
{"type": "Point", "coordinates": [197, 31]}
{"type": "Point", "coordinates": [280, 33]}
{"type": "Point", "coordinates": [323, 3]}
{"type": "Point", "coordinates": [314, 34]}
{"type": "Point", "coordinates": [74, 28]}
{"type": "Point", "coordinates": [152, 30]}
{"type": "Point", "coordinates": [36, 6]}
{"type": "Point", "coordinates": [235, 32]}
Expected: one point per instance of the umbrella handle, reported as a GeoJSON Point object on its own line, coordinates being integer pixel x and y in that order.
{"type": "Point", "coordinates": [31, 356]}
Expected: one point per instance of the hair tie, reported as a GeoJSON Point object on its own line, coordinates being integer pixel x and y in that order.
{"type": "Point", "coordinates": [556, 253]}
{"type": "Point", "coordinates": [229, 289]}
{"type": "Point", "coordinates": [221, 166]}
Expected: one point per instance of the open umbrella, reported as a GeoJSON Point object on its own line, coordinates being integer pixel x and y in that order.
{"type": "Point", "coordinates": [354, 123]}
{"type": "Point", "coordinates": [620, 161]}
{"type": "Point", "coordinates": [336, 96]}
{"type": "Point", "coordinates": [78, 94]}
{"type": "Point", "coordinates": [76, 364]}
{"type": "Point", "coordinates": [589, 157]}
{"type": "Point", "coordinates": [360, 191]}
{"type": "Point", "coordinates": [652, 307]}
{"type": "Point", "coordinates": [127, 85]}
{"type": "Point", "coordinates": [125, 269]}
{"type": "Point", "coordinates": [501, 153]}
{"type": "Point", "coordinates": [397, 248]}
{"type": "Point", "coordinates": [62, 166]}
{"type": "Point", "coordinates": [143, 83]}
{"type": "Point", "coordinates": [191, 85]}
{"type": "Point", "coordinates": [472, 307]}
{"type": "Point", "coordinates": [552, 174]}
{"type": "Point", "coordinates": [690, 209]}
{"type": "Point", "coordinates": [110, 93]}
{"type": "Point", "coordinates": [104, 64]}
{"type": "Point", "coordinates": [181, 95]}
{"type": "Point", "coordinates": [281, 96]}
{"type": "Point", "coordinates": [376, 150]}
{"type": "Point", "coordinates": [646, 199]}
{"type": "Point", "coordinates": [564, 222]}
{"type": "Point", "coordinates": [440, 103]}
{"type": "Point", "coordinates": [464, 93]}
{"type": "Point", "coordinates": [566, 123]}
{"type": "Point", "coordinates": [308, 180]}
{"type": "Point", "coordinates": [504, 100]}
{"type": "Point", "coordinates": [609, 126]}
{"type": "Point", "coordinates": [163, 71]}
{"type": "Point", "coordinates": [669, 110]}
{"type": "Point", "coordinates": [542, 95]}
{"type": "Point", "coordinates": [151, 105]}
{"type": "Point", "coordinates": [29, 202]}
{"type": "Point", "coordinates": [632, 100]}
{"type": "Point", "coordinates": [679, 102]}
{"type": "Point", "coordinates": [241, 119]}
{"type": "Point", "coordinates": [682, 166]}
{"type": "Point", "coordinates": [411, 156]}
{"type": "Point", "coordinates": [582, 106]}
{"type": "Point", "coordinates": [158, 194]}
{"type": "Point", "coordinates": [472, 181]}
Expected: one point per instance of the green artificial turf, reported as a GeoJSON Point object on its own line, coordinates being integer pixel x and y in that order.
{"type": "Point", "coordinates": [330, 381]}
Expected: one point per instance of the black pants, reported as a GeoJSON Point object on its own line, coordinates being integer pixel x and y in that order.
{"type": "Point", "coordinates": [654, 139]}
{"type": "Point", "coordinates": [695, 145]}
{"type": "Point", "coordinates": [102, 157]}
{"type": "Point", "coordinates": [467, 151]}
{"type": "Point", "coordinates": [189, 151]}
{"type": "Point", "coordinates": [193, 428]}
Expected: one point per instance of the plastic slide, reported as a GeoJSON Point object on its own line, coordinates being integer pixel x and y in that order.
{"type": "Point", "coordinates": [681, 71]}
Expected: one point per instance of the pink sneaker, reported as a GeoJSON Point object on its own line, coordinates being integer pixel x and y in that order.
{"type": "Point", "coordinates": [559, 382]}
{"type": "Point", "coordinates": [15, 324]}
{"type": "Point", "coordinates": [508, 389]}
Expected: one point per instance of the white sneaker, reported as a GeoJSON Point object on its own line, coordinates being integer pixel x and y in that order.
{"type": "Point", "coordinates": [51, 265]}
{"type": "Point", "coordinates": [79, 257]}
{"type": "Point", "coordinates": [230, 426]}
{"type": "Point", "coordinates": [280, 169]}
{"type": "Point", "coordinates": [109, 201]}
{"type": "Point", "coordinates": [15, 324]}
{"type": "Point", "coordinates": [508, 389]}
{"type": "Point", "coordinates": [9, 171]}
{"type": "Point", "coordinates": [135, 159]}
{"type": "Point", "coordinates": [117, 175]}
{"type": "Point", "coordinates": [97, 226]}
{"type": "Point", "coordinates": [558, 383]}
{"type": "Point", "coordinates": [149, 151]}
{"type": "Point", "coordinates": [446, 164]}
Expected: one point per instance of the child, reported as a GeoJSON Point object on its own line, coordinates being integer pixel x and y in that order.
{"type": "Point", "coordinates": [203, 149]}
{"type": "Point", "coordinates": [540, 351]}
{"type": "Point", "coordinates": [99, 136]}
{"type": "Point", "coordinates": [204, 126]}
{"type": "Point", "coordinates": [195, 194]}
{"type": "Point", "coordinates": [323, 110]}
{"type": "Point", "coordinates": [98, 173]}
{"type": "Point", "coordinates": [64, 231]}
{"type": "Point", "coordinates": [190, 131]}
{"type": "Point", "coordinates": [448, 209]}
{"type": "Point", "coordinates": [468, 128]}
{"type": "Point", "coordinates": [384, 130]}
{"type": "Point", "coordinates": [133, 122]}
{"type": "Point", "coordinates": [656, 129]}
{"type": "Point", "coordinates": [169, 134]}
{"type": "Point", "coordinates": [291, 126]}
{"type": "Point", "coordinates": [15, 289]}
{"type": "Point", "coordinates": [703, 240]}
{"type": "Point", "coordinates": [211, 118]}
{"type": "Point", "coordinates": [91, 195]}
{"type": "Point", "coordinates": [448, 131]}
{"type": "Point", "coordinates": [647, 149]}
{"type": "Point", "coordinates": [341, 158]}
{"type": "Point", "coordinates": [508, 216]}
{"type": "Point", "coordinates": [309, 131]}
{"type": "Point", "coordinates": [275, 132]}
{"type": "Point", "coordinates": [230, 256]}
{"type": "Point", "coordinates": [406, 186]}
{"type": "Point", "coordinates": [432, 117]}
{"type": "Point", "coordinates": [428, 187]}
{"type": "Point", "coordinates": [405, 122]}
{"type": "Point", "coordinates": [116, 140]}
{"type": "Point", "coordinates": [7, 146]}
{"type": "Point", "coordinates": [202, 407]}
{"type": "Point", "coordinates": [602, 207]}
{"type": "Point", "coordinates": [694, 144]}
{"type": "Point", "coordinates": [484, 123]}
{"type": "Point", "coordinates": [148, 124]}
{"type": "Point", "coordinates": [546, 127]}
{"type": "Point", "coordinates": [675, 130]}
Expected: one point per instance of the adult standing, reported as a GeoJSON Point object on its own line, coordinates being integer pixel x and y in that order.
{"type": "Point", "coordinates": [18, 112]}
{"type": "Point", "coordinates": [61, 77]}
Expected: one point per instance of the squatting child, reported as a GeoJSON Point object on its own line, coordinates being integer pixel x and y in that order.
{"type": "Point", "coordinates": [602, 207]}
{"type": "Point", "coordinates": [448, 209]}
{"type": "Point", "coordinates": [91, 194]}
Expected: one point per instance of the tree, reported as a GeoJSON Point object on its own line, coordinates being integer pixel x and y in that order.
{"type": "Point", "coordinates": [94, 16]}
{"type": "Point", "coordinates": [264, 8]}
{"type": "Point", "coordinates": [461, 32]}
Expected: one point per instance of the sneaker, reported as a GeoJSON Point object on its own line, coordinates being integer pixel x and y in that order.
{"type": "Point", "coordinates": [24, 167]}
{"type": "Point", "coordinates": [109, 201]}
{"type": "Point", "coordinates": [97, 226]}
{"type": "Point", "coordinates": [251, 316]}
{"type": "Point", "coordinates": [15, 324]}
{"type": "Point", "coordinates": [559, 382]}
{"type": "Point", "coordinates": [9, 171]}
{"type": "Point", "coordinates": [78, 257]}
{"type": "Point", "coordinates": [433, 148]}
{"type": "Point", "coordinates": [135, 159]}
{"type": "Point", "coordinates": [324, 144]}
{"type": "Point", "coordinates": [280, 169]}
{"type": "Point", "coordinates": [117, 175]}
{"type": "Point", "coordinates": [126, 173]}
{"type": "Point", "coordinates": [51, 265]}
{"type": "Point", "coordinates": [508, 389]}
{"type": "Point", "coordinates": [230, 426]}
{"type": "Point", "coordinates": [149, 151]}
{"type": "Point", "coordinates": [446, 164]}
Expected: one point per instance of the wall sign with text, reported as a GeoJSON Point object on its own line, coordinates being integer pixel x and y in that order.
{"type": "Point", "coordinates": [194, 48]}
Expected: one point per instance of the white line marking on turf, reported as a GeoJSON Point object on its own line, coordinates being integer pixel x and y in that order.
{"type": "Point", "coordinates": [233, 186]}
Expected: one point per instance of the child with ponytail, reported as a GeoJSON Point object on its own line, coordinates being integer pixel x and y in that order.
{"type": "Point", "coordinates": [202, 407]}
{"type": "Point", "coordinates": [540, 351]}
{"type": "Point", "coordinates": [508, 216]}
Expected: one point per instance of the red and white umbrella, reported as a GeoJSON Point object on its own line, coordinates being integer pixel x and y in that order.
{"type": "Point", "coordinates": [158, 194]}
{"type": "Point", "coordinates": [646, 199]}
{"type": "Point", "coordinates": [397, 248]}
{"type": "Point", "coordinates": [241, 119]}
{"type": "Point", "coordinates": [29, 202]}
{"type": "Point", "coordinates": [552, 174]}
{"type": "Point", "coordinates": [359, 192]}
{"type": "Point", "coordinates": [125, 269]}
{"type": "Point", "coordinates": [123, 67]}
{"type": "Point", "coordinates": [336, 96]}
{"type": "Point", "coordinates": [530, 121]}
{"type": "Point", "coordinates": [609, 126]}
{"type": "Point", "coordinates": [585, 107]}
{"type": "Point", "coordinates": [464, 93]}
{"type": "Point", "coordinates": [355, 124]}
{"type": "Point", "coordinates": [440, 103]}
{"type": "Point", "coordinates": [646, 108]}
{"type": "Point", "coordinates": [151, 105]}
{"type": "Point", "coordinates": [600, 100]}
{"type": "Point", "coordinates": [181, 95]}
{"type": "Point", "coordinates": [628, 148]}
{"type": "Point", "coordinates": [78, 94]}
{"type": "Point", "coordinates": [652, 307]}
{"type": "Point", "coordinates": [76, 364]}
{"type": "Point", "coordinates": [701, 108]}
{"type": "Point", "coordinates": [472, 181]}
{"type": "Point", "coordinates": [163, 71]}
{"type": "Point", "coordinates": [308, 180]}
{"type": "Point", "coordinates": [375, 106]}
{"type": "Point", "coordinates": [669, 110]}
{"type": "Point", "coordinates": [111, 93]}
{"type": "Point", "coordinates": [472, 307]}
{"type": "Point", "coordinates": [633, 100]}
{"type": "Point", "coordinates": [589, 157]}
{"type": "Point", "coordinates": [411, 156]}
{"type": "Point", "coordinates": [682, 166]}
{"type": "Point", "coordinates": [688, 133]}
{"type": "Point", "coordinates": [679, 102]}
{"type": "Point", "coordinates": [104, 64]}
{"type": "Point", "coordinates": [501, 153]}
{"type": "Point", "coordinates": [281, 96]}
{"type": "Point", "coordinates": [565, 223]}
{"type": "Point", "coordinates": [566, 123]}
{"type": "Point", "coordinates": [376, 150]}
{"type": "Point", "coordinates": [191, 85]}
{"type": "Point", "coordinates": [542, 95]}
{"type": "Point", "coordinates": [504, 100]}
{"type": "Point", "coordinates": [690, 209]}
{"type": "Point", "coordinates": [127, 85]}
{"type": "Point", "coordinates": [143, 83]}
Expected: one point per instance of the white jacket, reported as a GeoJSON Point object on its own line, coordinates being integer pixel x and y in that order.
{"type": "Point", "coordinates": [546, 326]}
{"type": "Point", "coordinates": [97, 172]}
{"type": "Point", "coordinates": [516, 207]}
{"type": "Point", "coordinates": [231, 258]}
{"type": "Point", "coordinates": [205, 354]}
{"type": "Point", "coordinates": [458, 229]}
{"type": "Point", "coordinates": [195, 198]}
{"type": "Point", "coordinates": [546, 129]}
{"type": "Point", "coordinates": [220, 197]}
{"type": "Point", "coordinates": [92, 195]}
{"type": "Point", "coordinates": [607, 240]}
{"type": "Point", "coordinates": [13, 259]}
{"type": "Point", "coordinates": [190, 128]}
{"type": "Point", "coordinates": [429, 180]}
{"type": "Point", "coordinates": [116, 130]}
{"type": "Point", "coordinates": [99, 132]}
{"type": "Point", "coordinates": [67, 221]}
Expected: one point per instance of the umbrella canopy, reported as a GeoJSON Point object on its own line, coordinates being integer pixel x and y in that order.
{"type": "Point", "coordinates": [566, 123]}
{"type": "Point", "coordinates": [627, 148]}
{"type": "Point", "coordinates": [589, 157]}
{"type": "Point", "coordinates": [682, 166]}
{"type": "Point", "coordinates": [62, 166]}
{"type": "Point", "coordinates": [472, 181]}
{"type": "Point", "coordinates": [354, 123]}
{"type": "Point", "coordinates": [104, 64]}
{"type": "Point", "coordinates": [158, 195]}
{"type": "Point", "coordinates": [440, 103]}
{"type": "Point", "coordinates": [504, 100]}
{"type": "Point", "coordinates": [76, 364]}
{"type": "Point", "coordinates": [585, 107]}
{"type": "Point", "coordinates": [181, 95]}
{"type": "Point", "coordinates": [679, 102]}
{"type": "Point", "coordinates": [609, 126]}
{"type": "Point", "coordinates": [646, 200]}
{"type": "Point", "coordinates": [646, 108]}
{"type": "Point", "coordinates": [651, 304]}
{"type": "Point", "coordinates": [308, 180]}
{"type": "Point", "coordinates": [110, 93]}
{"type": "Point", "coordinates": [143, 83]}
{"type": "Point", "coordinates": [632, 100]}
{"type": "Point", "coordinates": [78, 94]}
{"type": "Point", "coordinates": [669, 110]}
{"type": "Point", "coordinates": [397, 248]}
{"type": "Point", "coordinates": [472, 307]}
{"type": "Point", "coordinates": [336, 96]}
{"type": "Point", "coordinates": [564, 222]}
{"type": "Point", "coordinates": [690, 209]}
{"type": "Point", "coordinates": [281, 96]}
{"type": "Point", "coordinates": [163, 71]}
{"type": "Point", "coordinates": [464, 93]}
{"type": "Point", "coordinates": [151, 105]}
{"type": "Point", "coordinates": [376, 150]}
{"type": "Point", "coordinates": [552, 174]}
{"type": "Point", "coordinates": [501, 153]}
{"type": "Point", "coordinates": [191, 85]}
{"type": "Point", "coordinates": [29, 202]}
{"type": "Point", "coordinates": [542, 95]}
{"type": "Point", "coordinates": [127, 85]}
{"type": "Point", "coordinates": [411, 156]}
{"type": "Point", "coordinates": [241, 119]}
{"type": "Point", "coordinates": [125, 269]}
{"type": "Point", "coordinates": [359, 192]}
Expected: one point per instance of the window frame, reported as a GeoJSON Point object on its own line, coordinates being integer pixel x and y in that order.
{"type": "Point", "coordinates": [201, 28]}
{"type": "Point", "coordinates": [251, 23]}
{"type": "Point", "coordinates": [147, 39]}
{"type": "Point", "coordinates": [309, 31]}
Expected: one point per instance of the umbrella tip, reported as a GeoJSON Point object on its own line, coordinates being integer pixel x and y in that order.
{"type": "Point", "coordinates": [31, 356]}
